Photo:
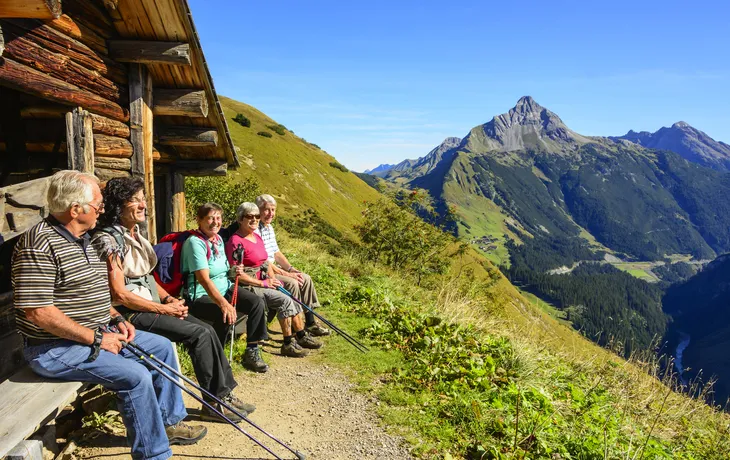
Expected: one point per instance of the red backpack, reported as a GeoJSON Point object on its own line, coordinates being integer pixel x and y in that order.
{"type": "Point", "coordinates": [168, 271]}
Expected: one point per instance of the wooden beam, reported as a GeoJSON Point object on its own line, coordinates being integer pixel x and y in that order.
{"type": "Point", "coordinates": [201, 168]}
{"type": "Point", "coordinates": [179, 218]}
{"type": "Point", "coordinates": [80, 141]}
{"type": "Point", "coordinates": [187, 136]}
{"type": "Point", "coordinates": [180, 102]}
{"type": "Point", "coordinates": [104, 125]}
{"type": "Point", "coordinates": [31, 81]}
{"type": "Point", "coordinates": [105, 174]}
{"type": "Point", "coordinates": [149, 52]}
{"type": "Point", "coordinates": [41, 112]}
{"type": "Point", "coordinates": [66, 25]}
{"type": "Point", "coordinates": [140, 120]}
{"type": "Point", "coordinates": [112, 7]}
{"type": "Point", "coordinates": [110, 146]}
{"type": "Point", "coordinates": [41, 9]}
{"type": "Point", "coordinates": [2, 40]}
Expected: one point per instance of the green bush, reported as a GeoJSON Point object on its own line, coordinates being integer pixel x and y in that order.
{"type": "Point", "coordinates": [338, 165]}
{"type": "Point", "coordinates": [278, 129]}
{"type": "Point", "coordinates": [222, 190]}
{"type": "Point", "coordinates": [242, 120]}
{"type": "Point", "coordinates": [264, 134]}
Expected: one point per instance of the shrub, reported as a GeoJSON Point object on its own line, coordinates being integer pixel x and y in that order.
{"type": "Point", "coordinates": [222, 190]}
{"type": "Point", "coordinates": [264, 134]}
{"type": "Point", "coordinates": [396, 236]}
{"type": "Point", "coordinates": [278, 129]}
{"type": "Point", "coordinates": [338, 165]}
{"type": "Point", "coordinates": [242, 120]}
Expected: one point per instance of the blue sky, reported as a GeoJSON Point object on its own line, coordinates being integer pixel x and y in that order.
{"type": "Point", "coordinates": [380, 81]}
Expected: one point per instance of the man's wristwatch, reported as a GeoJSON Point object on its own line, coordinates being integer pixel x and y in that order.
{"type": "Point", "coordinates": [166, 298]}
{"type": "Point", "coordinates": [96, 346]}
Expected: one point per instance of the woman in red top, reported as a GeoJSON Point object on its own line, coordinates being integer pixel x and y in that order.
{"type": "Point", "coordinates": [246, 251]}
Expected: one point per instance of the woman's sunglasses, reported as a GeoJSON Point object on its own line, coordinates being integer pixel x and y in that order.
{"type": "Point", "coordinates": [252, 216]}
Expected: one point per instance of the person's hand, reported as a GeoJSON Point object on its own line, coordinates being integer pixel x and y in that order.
{"type": "Point", "coordinates": [240, 270]}
{"type": "Point", "coordinates": [112, 342]}
{"type": "Point", "coordinates": [229, 313]}
{"type": "Point", "coordinates": [297, 275]}
{"type": "Point", "coordinates": [176, 308]}
{"type": "Point", "coordinates": [128, 330]}
{"type": "Point", "coordinates": [273, 283]}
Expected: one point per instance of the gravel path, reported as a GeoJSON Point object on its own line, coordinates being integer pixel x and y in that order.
{"type": "Point", "coordinates": [327, 419]}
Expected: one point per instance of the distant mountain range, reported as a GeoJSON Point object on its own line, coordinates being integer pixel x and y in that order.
{"type": "Point", "coordinates": [525, 173]}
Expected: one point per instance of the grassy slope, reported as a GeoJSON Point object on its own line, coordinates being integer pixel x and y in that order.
{"type": "Point", "coordinates": [295, 172]}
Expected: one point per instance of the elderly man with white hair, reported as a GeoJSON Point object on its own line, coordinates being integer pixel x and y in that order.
{"type": "Point", "coordinates": [63, 310]}
{"type": "Point", "coordinates": [295, 281]}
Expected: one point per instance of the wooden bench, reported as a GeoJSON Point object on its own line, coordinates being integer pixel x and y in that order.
{"type": "Point", "coordinates": [28, 402]}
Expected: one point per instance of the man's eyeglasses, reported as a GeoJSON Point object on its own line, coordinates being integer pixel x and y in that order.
{"type": "Point", "coordinates": [252, 216]}
{"type": "Point", "coordinates": [98, 208]}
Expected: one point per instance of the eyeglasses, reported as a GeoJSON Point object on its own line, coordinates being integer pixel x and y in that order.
{"type": "Point", "coordinates": [252, 216]}
{"type": "Point", "coordinates": [98, 208]}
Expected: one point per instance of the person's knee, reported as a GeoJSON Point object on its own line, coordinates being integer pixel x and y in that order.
{"type": "Point", "coordinates": [135, 377]}
{"type": "Point", "coordinates": [158, 345]}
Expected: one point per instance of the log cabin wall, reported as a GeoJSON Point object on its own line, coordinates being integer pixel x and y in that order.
{"type": "Point", "coordinates": [113, 87]}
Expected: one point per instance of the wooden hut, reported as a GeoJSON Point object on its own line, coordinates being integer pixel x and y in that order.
{"type": "Point", "coordinates": [111, 87]}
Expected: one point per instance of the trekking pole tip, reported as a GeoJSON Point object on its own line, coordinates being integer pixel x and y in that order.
{"type": "Point", "coordinates": [300, 456]}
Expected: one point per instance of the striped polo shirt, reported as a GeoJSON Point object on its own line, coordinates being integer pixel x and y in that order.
{"type": "Point", "coordinates": [266, 232]}
{"type": "Point", "coordinates": [52, 267]}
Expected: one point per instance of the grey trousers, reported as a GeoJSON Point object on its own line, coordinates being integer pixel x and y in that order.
{"type": "Point", "coordinates": [276, 300]}
{"type": "Point", "coordinates": [306, 292]}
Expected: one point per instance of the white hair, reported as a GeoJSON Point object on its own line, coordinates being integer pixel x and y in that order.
{"type": "Point", "coordinates": [262, 200]}
{"type": "Point", "coordinates": [66, 188]}
{"type": "Point", "coordinates": [246, 208]}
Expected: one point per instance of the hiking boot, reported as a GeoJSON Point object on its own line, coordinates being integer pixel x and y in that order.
{"type": "Point", "coordinates": [293, 350]}
{"type": "Point", "coordinates": [252, 360]}
{"type": "Point", "coordinates": [182, 434]}
{"type": "Point", "coordinates": [240, 406]}
{"type": "Point", "coordinates": [309, 342]}
{"type": "Point", "coordinates": [208, 414]}
{"type": "Point", "coordinates": [318, 331]}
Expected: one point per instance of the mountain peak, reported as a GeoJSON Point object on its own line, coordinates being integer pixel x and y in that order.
{"type": "Point", "coordinates": [527, 104]}
{"type": "Point", "coordinates": [681, 125]}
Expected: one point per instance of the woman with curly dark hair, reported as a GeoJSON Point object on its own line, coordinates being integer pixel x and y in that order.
{"type": "Point", "coordinates": [135, 293]}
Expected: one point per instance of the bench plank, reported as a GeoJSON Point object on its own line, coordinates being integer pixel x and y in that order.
{"type": "Point", "coordinates": [27, 402]}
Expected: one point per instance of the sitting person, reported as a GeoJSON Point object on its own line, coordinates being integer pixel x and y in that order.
{"type": "Point", "coordinates": [298, 283]}
{"type": "Point", "coordinates": [262, 281]}
{"type": "Point", "coordinates": [209, 291]}
{"type": "Point", "coordinates": [130, 261]}
{"type": "Point", "coordinates": [63, 310]}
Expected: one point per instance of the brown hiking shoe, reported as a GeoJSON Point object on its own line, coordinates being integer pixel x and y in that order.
{"type": "Point", "coordinates": [252, 360]}
{"type": "Point", "coordinates": [240, 406]}
{"type": "Point", "coordinates": [293, 350]}
{"type": "Point", "coordinates": [209, 415]}
{"type": "Point", "coordinates": [309, 342]}
{"type": "Point", "coordinates": [182, 434]}
{"type": "Point", "coordinates": [317, 330]}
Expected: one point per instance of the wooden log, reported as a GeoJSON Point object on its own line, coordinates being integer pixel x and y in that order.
{"type": "Point", "coordinates": [121, 164]}
{"type": "Point", "coordinates": [32, 54]}
{"type": "Point", "coordinates": [80, 141]}
{"type": "Point", "coordinates": [2, 40]}
{"type": "Point", "coordinates": [105, 174]}
{"type": "Point", "coordinates": [104, 125]}
{"type": "Point", "coordinates": [149, 52]}
{"type": "Point", "coordinates": [70, 41]}
{"type": "Point", "coordinates": [41, 112]}
{"type": "Point", "coordinates": [179, 220]}
{"type": "Point", "coordinates": [180, 102]}
{"type": "Point", "coordinates": [92, 15]}
{"type": "Point", "coordinates": [41, 9]}
{"type": "Point", "coordinates": [202, 168]}
{"type": "Point", "coordinates": [112, 8]}
{"type": "Point", "coordinates": [39, 147]}
{"type": "Point", "coordinates": [111, 146]}
{"type": "Point", "coordinates": [140, 120]}
{"type": "Point", "coordinates": [65, 24]}
{"type": "Point", "coordinates": [31, 81]}
{"type": "Point", "coordinates": [187, 136]}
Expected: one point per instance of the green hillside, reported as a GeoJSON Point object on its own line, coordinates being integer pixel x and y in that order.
{"type": "Point", "coordinates": [297, 173]}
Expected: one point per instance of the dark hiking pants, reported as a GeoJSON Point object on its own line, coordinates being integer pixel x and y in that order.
{"type": "Point", "coordinates": [201, 342]}
{"type": "Point", "coordinates": [248, 304]}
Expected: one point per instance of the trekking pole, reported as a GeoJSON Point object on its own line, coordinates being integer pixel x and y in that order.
{"type": "Point", "coordinates": [135, 350]}
{"type": "Point", "coordinates": [237, 257]}
{"type": "Point", "coordinates": [177, 373]}
{"type": "Point", "coordinates": [354, 342]}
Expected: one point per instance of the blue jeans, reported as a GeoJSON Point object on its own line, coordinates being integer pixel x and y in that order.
{"type": "Point", "coordinates": [147, 401]}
